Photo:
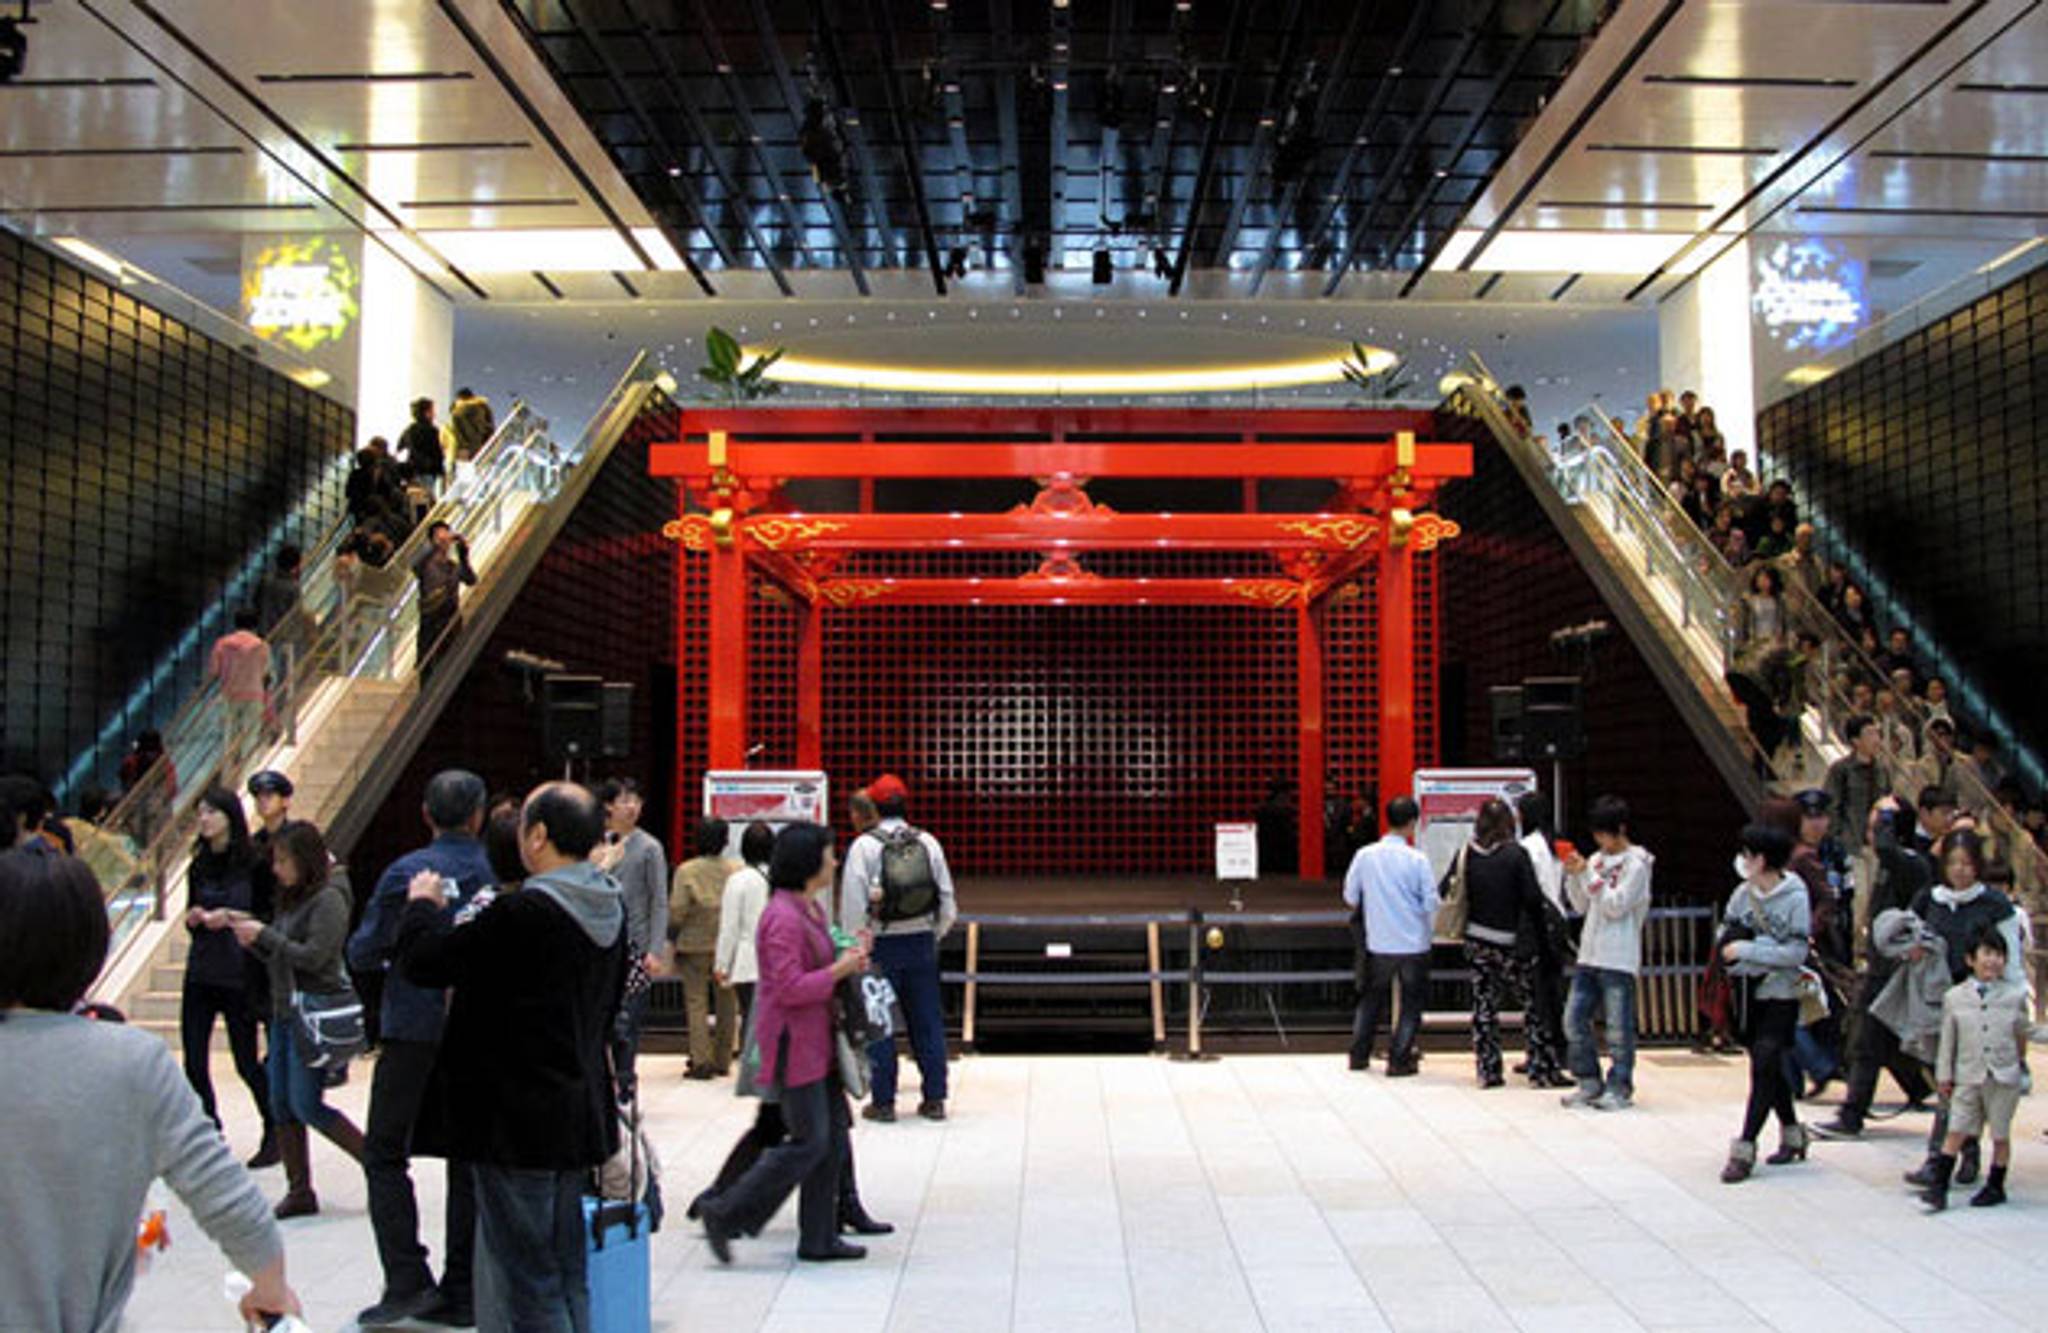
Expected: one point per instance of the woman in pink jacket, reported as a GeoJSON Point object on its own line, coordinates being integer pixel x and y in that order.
{"type": "Point", "coordinates": [793, 1022]}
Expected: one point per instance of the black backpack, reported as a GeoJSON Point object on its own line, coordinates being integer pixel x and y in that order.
{"type": "Point", "coordinates": [909, 889]}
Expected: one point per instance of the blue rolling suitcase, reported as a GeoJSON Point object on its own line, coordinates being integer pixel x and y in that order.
{"type": "Point", "coordinates": [621, 1293]}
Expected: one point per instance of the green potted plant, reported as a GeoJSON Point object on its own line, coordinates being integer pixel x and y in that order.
{"type": "Point", "coordinates": [733, 378]}
{"type": "Point", "coordinates": [1374, 386]}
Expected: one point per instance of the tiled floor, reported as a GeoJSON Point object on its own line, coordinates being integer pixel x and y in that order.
{"type": "Point", "coordinates": [1283, 1193]}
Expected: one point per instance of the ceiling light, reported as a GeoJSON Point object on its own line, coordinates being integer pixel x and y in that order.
{"type": "Point", "coordinates": [1805, 375]}
{"type": "Point", "coordinates": [552, 249]}
{"type": "Point", "coordinates": [656, 243]}
{"type": "Point", "coordinates": [1025, 383]}
{"type": "Point", "coordinates": [93, 255]}
{"type": "Point", "coordinates": [310, 377]}
{"type": "Point", "coordinates": [1558, 251]}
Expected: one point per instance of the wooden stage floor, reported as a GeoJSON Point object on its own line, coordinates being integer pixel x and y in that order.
{"type": "Point", "coordinates": [1072, 895]}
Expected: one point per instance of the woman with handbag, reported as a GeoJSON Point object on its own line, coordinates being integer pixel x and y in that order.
{"type": "Point", "coordinates": [1503, 931]}
{"type": "Point", "coordinates": [1764, 943]}
{"type": "Point", "coordinates": [794, 1029]}
{"type": "Point", "coordinates": [301, 950]}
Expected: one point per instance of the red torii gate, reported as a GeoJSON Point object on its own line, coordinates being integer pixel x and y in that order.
{"type": "Point", "coordinates": [734, 464]}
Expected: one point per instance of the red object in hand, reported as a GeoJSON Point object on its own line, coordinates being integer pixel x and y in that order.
{"type": "Point", "coordinates": [1565, 849]}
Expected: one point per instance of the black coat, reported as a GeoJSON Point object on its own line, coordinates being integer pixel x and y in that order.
{"type": "Point", "coordinates": [218, 881]}
{"type": "Point", "coordinates": [522, 1079]}
{"type": "Point", "coordinates": [1503, 898]}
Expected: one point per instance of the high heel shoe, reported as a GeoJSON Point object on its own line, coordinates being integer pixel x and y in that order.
{"type": "Point", "coordinates": [1792, 1144]}
{"type": "Point", "coordinates": [1741, 1162]}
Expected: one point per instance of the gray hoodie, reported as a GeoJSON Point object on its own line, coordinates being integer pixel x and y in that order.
{"type": "Point", "coordinates": [1782, 919]}
{"type": "Point", "coordinates": [589, 895]}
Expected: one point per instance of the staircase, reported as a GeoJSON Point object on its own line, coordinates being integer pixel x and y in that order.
{"type": "Point", "coordinates": [1679, 601]}
{"type": "Point", "coordinates": [352, 708]}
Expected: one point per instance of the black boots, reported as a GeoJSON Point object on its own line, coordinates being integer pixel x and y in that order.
{"type": "Point", "coordinates": [1969, 1163]}
{"type": "Point", "coordinates": [1940, 1167]}
{"type": "Point", "coordinates": [1993, 1192]}
{"type": "Point", "coordinates": [266, 1152]}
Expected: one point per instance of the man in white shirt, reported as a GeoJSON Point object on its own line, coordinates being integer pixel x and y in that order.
{"type": "Point", "coordinates": [909, 909]}
{"type": "Point", "coordinates": [1390, 884]}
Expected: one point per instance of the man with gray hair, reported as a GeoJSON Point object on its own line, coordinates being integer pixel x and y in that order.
{"type": "Point", "coordinates": [412, 1024]}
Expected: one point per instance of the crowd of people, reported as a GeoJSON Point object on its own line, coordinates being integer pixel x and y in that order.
{"type": "Point", "coordinates": [508, 961]}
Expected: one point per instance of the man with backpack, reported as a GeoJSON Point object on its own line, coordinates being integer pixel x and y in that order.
{"type": "Point", "coordinates": [897, 886]}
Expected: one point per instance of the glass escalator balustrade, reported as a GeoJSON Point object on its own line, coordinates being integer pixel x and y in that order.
{"type": "Point", "coordinates": [351, 661]}
{"type": "Point", "coordinates": [1787, 694]}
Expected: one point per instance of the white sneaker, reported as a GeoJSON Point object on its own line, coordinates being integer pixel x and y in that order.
{"type": "Point", "coordinates": [1613, 1101]}
{"type": "Point", "coordinates": [1579, 1097]}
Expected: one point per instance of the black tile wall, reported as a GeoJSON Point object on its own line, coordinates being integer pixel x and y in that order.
{"type": "Point", "coordinates": [1930, 459]}
{"type": "Point", "coordinates": [1506, 583]}
{"type": "Point", "coordinates": [145, 461]}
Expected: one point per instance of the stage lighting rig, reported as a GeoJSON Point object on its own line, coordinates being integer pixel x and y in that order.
{"type": "Point", "coordinates": [1578, 644]}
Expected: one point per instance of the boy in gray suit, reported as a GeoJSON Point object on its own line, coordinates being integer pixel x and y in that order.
{"type": "Point", "coordinates": [1980, 1067]}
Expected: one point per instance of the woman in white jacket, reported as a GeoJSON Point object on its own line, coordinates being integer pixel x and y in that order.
{"type": "Point", "coordinates": [739, 913]}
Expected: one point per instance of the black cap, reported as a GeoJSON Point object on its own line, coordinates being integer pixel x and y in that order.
{"type": "Point", "coordinates": [1813, 801]}
{"type": "Point", "coordinates": [270, 782]}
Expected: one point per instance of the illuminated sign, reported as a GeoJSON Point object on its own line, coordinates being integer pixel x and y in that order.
{"type": "Point", "coordinates": [301, 292]}
{"type": "Point", "coordinates": [1809, 295]}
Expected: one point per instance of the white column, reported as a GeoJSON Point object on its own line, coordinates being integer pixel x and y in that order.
{"type": "Point", "coordinates": [1704, 343]}
{"type": "Point", "coordinates": [407, 345]}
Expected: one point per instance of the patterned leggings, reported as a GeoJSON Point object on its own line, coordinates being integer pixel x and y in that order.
{"type": "Point", "coordinates": [1497, 975]}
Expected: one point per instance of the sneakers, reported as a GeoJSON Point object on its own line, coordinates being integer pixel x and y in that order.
{"type": "Point", "coordinates": [1613, 1100]}
{"type": "Point", "coordinates": [1583, 1096]}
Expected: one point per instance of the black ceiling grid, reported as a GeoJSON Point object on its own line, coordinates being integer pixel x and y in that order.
{"type": "Point", "coordinates": [1009, 126]}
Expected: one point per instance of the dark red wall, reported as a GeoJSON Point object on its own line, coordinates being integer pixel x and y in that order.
{"type": "Point", "coordinates": [1506, 584]}
{"type": "Point", "coordinates": [602, 603]}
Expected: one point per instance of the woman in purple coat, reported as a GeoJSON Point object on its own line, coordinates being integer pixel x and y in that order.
{"type": "Point", "coordinates": [793, 1022]}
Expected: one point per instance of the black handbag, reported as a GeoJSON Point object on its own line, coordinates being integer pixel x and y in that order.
{"type": "Point", "coordinates": [330, 1027]}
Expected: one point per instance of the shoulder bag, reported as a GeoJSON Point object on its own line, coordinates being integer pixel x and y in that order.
{"type": "Point", "coordinates": [1456, 908]}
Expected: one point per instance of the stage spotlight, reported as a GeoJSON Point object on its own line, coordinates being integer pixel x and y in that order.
{"type": "Point", "coordinates": [13, 49]}
{"type": "Point", "coordinates": [1034, 263]}
{"type": "Point", "coordinates": [1105, 271]}
{"type": "Point", "coordinates": [1162, 265]}
{"type": "Point", "coordinates": [956, 262]}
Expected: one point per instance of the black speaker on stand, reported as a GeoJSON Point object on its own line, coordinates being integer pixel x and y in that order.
{"type": "Point", "coordinates": [1506, 703]}
{"type": "Point", "coordinates": [571, 719]}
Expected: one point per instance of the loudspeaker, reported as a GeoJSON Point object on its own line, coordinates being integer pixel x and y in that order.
{"type": "Point", "coordinates": [1553, 718]}
{"type": "Point", "coordinates": [616, 714]}
{"type": "Point", "coordinates": [571, 716]}
{"type": "Point", "coordinates": [1506, 702]}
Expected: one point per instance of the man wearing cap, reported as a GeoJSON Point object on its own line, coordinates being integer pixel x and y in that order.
{"type": "Point", "coordinates": [906, 947]}
{"type": "Point", "coordinates": [272, 793]}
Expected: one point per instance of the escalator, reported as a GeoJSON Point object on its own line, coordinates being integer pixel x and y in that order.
{"type": "Point", "coordinates": [351, 707]}
{"type": "Point", "coordinates": [1768, 710]}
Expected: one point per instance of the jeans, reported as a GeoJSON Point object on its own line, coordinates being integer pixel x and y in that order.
{"type": "Point", "coordinates": [1410, 972]}
{"type": "Point", "coordinates": [1809, 1057]}
{"type": "Point", "coordinates": [196, 1013]}
{"type": "Point", "coordinates": [1615, 992]}
{"type": "Point", "coordinates": [298, 1094]}
{"type": "Point", "coordinates": [816, 1118]}
{"type": "Point", "coordinates": [531, 1250]}
{"type": "Point", "coordinates": [1775, 1022]}
{"type": "Point", "coordinates": [397, 1091]}
{"type": "Point", "coordinates": [911, 963]}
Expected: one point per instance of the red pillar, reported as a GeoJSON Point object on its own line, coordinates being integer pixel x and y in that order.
{"type": "Point", "coordinates": [1396, 672]}
{"type": "Point", "coordinates": [1311, 757]}
{"type": "Point", "coordinates": [727, 643]}
{"type": "Point", "coordinates": [810, 688]}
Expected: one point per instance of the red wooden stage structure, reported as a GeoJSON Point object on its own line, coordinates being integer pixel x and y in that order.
{"type": "Point", "coordinates": [732, 466]}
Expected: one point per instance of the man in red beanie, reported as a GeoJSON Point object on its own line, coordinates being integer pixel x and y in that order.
{"type": "Point", "coordinates": [897, 885]}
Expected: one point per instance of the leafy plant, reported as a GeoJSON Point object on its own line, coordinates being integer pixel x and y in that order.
{"type": "Point", "coordinates": [733, 378]}
{"type": "Point", "coordinates": [1383, 385]}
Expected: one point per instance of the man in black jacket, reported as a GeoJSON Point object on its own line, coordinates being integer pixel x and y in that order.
{"type": "Point", "coordinates": [420, 445]}
{"type": "Point", "coordinates": [525, 1096]}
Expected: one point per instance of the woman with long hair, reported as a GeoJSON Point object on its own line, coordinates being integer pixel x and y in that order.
{"type": "Point", "coordinates": [1503, 932]}
{"type": "Point", "coordinates": [1764, 944]}
{"type": "Point", "coordinates": [216, 981]}
{"type": "Point", "coordinates": [793, 1029]}
{"type": "Point", "coordinates": [302, 951]}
